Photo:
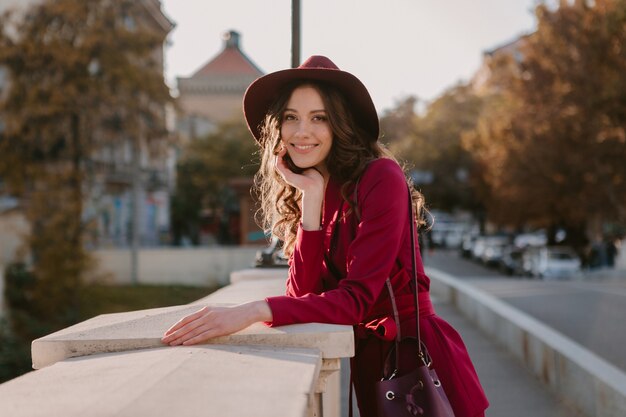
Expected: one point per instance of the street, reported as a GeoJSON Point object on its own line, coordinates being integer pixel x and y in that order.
{"type": "Point", "coordinates": [591, 312]}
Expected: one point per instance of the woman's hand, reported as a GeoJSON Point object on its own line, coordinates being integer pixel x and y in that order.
{"type": "Point", "coordinates": [210, 322]}
{"type": "Point", "coordinates": [311, 183]}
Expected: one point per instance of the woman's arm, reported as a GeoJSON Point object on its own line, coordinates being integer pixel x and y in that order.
{"type": "Point", "coordinates": [311, 183]}
{"type": "Point", "coordinates": [211, 322]}
{"type": "Point", "coordinates": [306, 262]}
{"type": "Point", "coordinates": [383, 203]}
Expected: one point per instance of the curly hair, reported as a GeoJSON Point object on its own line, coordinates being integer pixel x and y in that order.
{"type": "Point", "coordinates": [352, 149]}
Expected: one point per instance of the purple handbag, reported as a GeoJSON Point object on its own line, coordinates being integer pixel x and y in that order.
{"type": "Point", "coordinates": [418, 393]}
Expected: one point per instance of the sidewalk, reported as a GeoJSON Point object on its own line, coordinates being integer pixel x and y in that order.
{"type": "Point", "coordinates": [511, 389]}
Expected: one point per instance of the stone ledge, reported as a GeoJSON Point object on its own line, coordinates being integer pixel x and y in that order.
{"type": "Point", "coordinates": [143, 329]}
{"type": "Point", "coordinates": [235, 381]}
{"type": "Point", "coordinates": [127, 332]}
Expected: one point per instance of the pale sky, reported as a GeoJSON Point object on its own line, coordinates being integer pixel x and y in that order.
{"type": "Point", "coordinates": [396, 47]}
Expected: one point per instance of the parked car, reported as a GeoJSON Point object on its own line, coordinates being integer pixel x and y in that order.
{"type": "Point", "coordinates": [454, 237]}
{"type": "Point", "coordinates": [488, 249]}
{"type": "Point", "coordinates": [511, 262]}
{"type": "Point", "coordinates": [551, 262]}
{"type": "Point", "coordinates": [492, 254]}
{"type": "Point", "coordinates": [493, 249]}
{"type": "Point", "coordinates": [467, 244]}
{"type": "Point", "coordinates": [448, 230]}
{"type": "Point", "coordinates": [524, 240]}
{"type": "Point", "coordinates": [478, 247]}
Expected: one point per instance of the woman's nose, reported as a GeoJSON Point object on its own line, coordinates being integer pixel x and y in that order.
{"type": "Point", "coordinates": [303, 128]}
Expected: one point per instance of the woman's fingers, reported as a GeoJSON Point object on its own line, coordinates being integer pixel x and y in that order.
{"type": "Point", "coordinates": [200, 326]}
{"type": "Point", "coordinates": [189, 328]}
{"type": "Point", "coordinates": [309, 179]}
{"type": "Point", "coordinates": [201, 337]}
{"type": "Point", "coordinates": [281, 166]}
{"type": "Point", "coordinates": [199, 334]}
{"type": "Point", "coordinates": [185, 325]}
{"type": "Point", "coordinates": [212, 322]}
{"type": "Point", "coordinates": [187, 319]}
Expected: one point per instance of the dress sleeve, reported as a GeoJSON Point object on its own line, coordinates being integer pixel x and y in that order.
{"type": "Point", "coordinates": [306, 263]}
{"type": "Point", "coordinates": [383, 203]}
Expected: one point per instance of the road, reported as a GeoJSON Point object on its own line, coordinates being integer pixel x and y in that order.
{"type": "Point", "coordinates": [589, 311]}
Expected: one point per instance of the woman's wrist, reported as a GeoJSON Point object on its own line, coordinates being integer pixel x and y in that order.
{"type": "Point", "coordinates": [312, 210]}
{"type": "Point", "coordinates": [259, 311]}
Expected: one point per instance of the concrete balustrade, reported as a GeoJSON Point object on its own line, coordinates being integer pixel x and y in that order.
{"type": "Point", "coordinates": [115, 364]}
{"type": "Point", "coordinates": [573, 373]}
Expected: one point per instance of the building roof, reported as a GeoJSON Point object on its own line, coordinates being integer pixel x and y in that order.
{"type": "Point", "coordinates": [231, 61]}
{"type": "Point", "coordinates": [153, 7]}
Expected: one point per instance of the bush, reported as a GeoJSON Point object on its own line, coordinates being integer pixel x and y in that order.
{"type": "Point", "coordinates": [25, 322]}
{"type": "Point", "coordinates": [14, 353]}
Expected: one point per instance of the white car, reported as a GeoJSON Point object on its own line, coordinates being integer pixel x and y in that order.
{"type": "Point", "coordinates": [551, 262]}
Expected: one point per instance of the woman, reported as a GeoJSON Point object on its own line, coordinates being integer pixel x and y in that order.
{"type": "Point", "coordinates": [341, 206]}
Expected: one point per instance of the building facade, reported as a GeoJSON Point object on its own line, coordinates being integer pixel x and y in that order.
{"type": "Point", "coordinates": [154, 163]}
{"type": "Point", "coordinates": [213, 94]}
{"type": "Point", "coordinates": [108, 202]}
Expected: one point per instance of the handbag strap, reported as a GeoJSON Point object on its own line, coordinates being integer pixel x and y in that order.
{"type": "Point", "coordinates": [412, 227]}
{"type": "Point", "coordinates": [415, 287]}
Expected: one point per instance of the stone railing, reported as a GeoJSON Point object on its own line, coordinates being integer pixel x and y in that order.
{"type": "Point", "coordinates": [576, 375]}
{"type": "Point", "coordinates": [115, 364]}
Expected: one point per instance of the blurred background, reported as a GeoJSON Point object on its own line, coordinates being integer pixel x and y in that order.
{"type": "Point", "coordinates": [126, 165]}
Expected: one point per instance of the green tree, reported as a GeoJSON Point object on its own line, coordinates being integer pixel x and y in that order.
{"type": "Point", "coordinates": [82, 78]}
{"type": "Point", "coordinates": [204, 171]}
{"type": "Point", "coordinates": [552, 145]}
{"type": "Point", "coordinates": [434, 144]}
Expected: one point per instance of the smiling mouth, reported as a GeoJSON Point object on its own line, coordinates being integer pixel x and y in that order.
{"type": "Point", "coordinates": [303, 147]}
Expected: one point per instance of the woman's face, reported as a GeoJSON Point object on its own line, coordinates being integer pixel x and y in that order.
{"type": "Point", "coordinates": [305, 130]}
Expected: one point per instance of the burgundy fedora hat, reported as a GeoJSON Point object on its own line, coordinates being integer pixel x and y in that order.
{"type": "Point", "coordinates": [264, 91]}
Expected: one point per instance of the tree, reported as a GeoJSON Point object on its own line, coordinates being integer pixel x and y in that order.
{"type": "Point", "coordinates": [82, 77]}
{"type": "Point", "coordinates": [434, 145]}
{"type": "Point", "coordinates": [205, 168]}
{"type": "Point", "coordinates": [553, 144]}
{"type": "Point", "coordinates": [398, 123]}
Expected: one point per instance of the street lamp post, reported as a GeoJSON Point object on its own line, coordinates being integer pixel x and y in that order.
{"type": "Point", "coordinates": [295, 33]}
{"type": "Point", "coordinates": [136, 213]}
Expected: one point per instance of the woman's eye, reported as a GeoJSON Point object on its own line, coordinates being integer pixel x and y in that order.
{"type": "Point", "coordinates": [289, 116]}
{"type": "Point", "coordinates": [320, 118]}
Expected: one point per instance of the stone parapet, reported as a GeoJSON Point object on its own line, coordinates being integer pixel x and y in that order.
{"type": "Point", "coordinates": [229, 381]}
{"type": "Point", "coordinates": [115, 364]}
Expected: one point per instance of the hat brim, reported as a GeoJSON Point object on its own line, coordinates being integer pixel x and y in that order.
{"type": "Point", "coordinates": [263, 92]}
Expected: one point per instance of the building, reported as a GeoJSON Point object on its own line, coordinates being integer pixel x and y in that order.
{"type": "Point", "coordinates": [508, 56]}
{"type": "Point", "coordinates": [485, 80]}
{"type": "Point", "coordinates": [213, 94]}
{"type": "Point", "coordinates": [108, 202]}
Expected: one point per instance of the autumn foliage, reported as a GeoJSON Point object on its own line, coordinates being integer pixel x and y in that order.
{"type": "Point", "coordinates": [81, 79]}
{"type": "Point", "coordinates": [552, 143]}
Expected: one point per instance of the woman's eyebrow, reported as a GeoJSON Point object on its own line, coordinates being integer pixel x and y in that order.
{"type": "Point", "coordinates": [312, 111]}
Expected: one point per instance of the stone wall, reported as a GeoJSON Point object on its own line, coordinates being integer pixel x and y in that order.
{"type": "Point", "coordinates": [186, 266]}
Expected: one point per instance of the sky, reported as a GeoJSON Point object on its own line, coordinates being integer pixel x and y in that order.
{"type": "Point", "coordinates": [396, 48]}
